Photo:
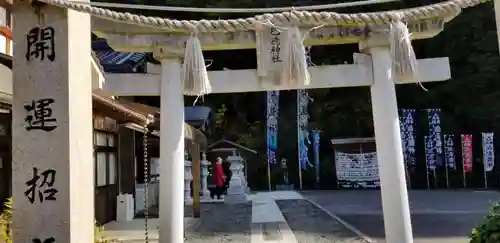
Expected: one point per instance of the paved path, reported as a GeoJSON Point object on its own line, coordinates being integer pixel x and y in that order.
{"type": "Point", "coordinates": [277, 217]}
{"type": "Point", "coordinates": [268, 223]}
{"type": "Point", "coordinates": [437, 216]}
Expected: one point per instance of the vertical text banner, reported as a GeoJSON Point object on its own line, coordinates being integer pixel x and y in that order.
{"type": "Point", "coordinates": [407, 125]}
{"type": "Point", "coordinates": [53, 175]}
{"type": "Point", "coordinates": [430, 156]}
{"type": "Point", "coordinates": [435, 134]}
{"type": "Point", "coordinates": [488, 151]}
{"type": "Point", "coordinates": [467, 152]}
{"type": "Point", "coordinates": [272, 125]}
{"type": "Point", "coordinates": [449, 151]}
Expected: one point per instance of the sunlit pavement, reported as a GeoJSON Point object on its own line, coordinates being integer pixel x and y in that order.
{"type": "Point", "coordinates": [437, 216]}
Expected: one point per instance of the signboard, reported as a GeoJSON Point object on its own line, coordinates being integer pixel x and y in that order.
{"type": "Point", "coordinates": [358, 170]}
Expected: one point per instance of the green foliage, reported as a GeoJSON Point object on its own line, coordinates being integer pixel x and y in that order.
{"type": "Point", "coordinates": [6, 222]}
{"type": "Point", "coordinates": [98, 230]}
{"type": "Point", "coordinates": [488, 231]}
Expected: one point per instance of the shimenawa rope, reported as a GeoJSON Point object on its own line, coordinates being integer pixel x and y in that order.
{"type": "Point", "coordinates": [195, 78]}
{"type": "Point", "coordinates": [299, 18]}
{"type": "Point", "coordinates": [233, 10]}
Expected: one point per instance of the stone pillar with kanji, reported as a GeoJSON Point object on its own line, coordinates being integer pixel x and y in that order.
{"type": "Point", "coordinates": [53, 171]}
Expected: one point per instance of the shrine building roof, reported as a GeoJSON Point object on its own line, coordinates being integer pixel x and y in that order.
{"type": "Point", "coordinates": [118, 62]}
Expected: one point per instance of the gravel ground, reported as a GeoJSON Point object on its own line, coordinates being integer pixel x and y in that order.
{"type": "Point", "coordinates": [312, 225]}
{"type": "Point", "coordinates": [221, 223]}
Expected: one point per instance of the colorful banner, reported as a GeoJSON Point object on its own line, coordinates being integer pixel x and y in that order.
{"type": "Point", "coordinates": [430, 155]}
{"type": "Point", "coordinates": [315, 135]}
{"type": "Point", "coordinates": [272, 125]}
{"type": "Point", "coordinates": [467, 152]}
{"type": "Point", "coordinates": [449, 151]}
{"type": "Point", "coordinates": [435, 133]}
{"type": "Point", "coordinates": [407, 126]}
{"type": "Point", "coordinates": [488, 151]}
{"type": "Point", "coordinates": [303, 141]}
{"type": "Point", "coordinates": [357, 170]}
{"type": "Point", "coordinates": [302, 128]}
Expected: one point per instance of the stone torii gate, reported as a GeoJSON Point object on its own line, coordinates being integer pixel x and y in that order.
{"type": "Point", "coordinates": [52, 109]}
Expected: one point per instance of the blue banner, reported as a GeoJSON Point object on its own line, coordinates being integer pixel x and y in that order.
{"type": "Point", "coordinates": [316, 138]}
{"type": "Point", "coordinates": [302, 129]}
{"type": "Point", "coordinates": [272, 125]}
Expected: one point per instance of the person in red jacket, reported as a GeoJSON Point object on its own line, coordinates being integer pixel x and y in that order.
{"type": "Point", "coordinates": [218, 178]}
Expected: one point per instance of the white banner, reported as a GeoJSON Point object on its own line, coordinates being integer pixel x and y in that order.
{"type": "Point", "coordinates": [488, 151]}
{"type": "Point", "coordinates": [357, 170]}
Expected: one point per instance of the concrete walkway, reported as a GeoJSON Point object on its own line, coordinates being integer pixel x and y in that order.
{"type": "Point", "coordinates": [268, 223]}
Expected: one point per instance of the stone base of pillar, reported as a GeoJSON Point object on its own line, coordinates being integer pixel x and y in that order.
{"type": "Point", "coordinates": [236, 198]}
{"type": "Point", "coordinates": [205, 194]}
{"type": "Point", "coordinates": [211, 200]}
{"type": "Point", "coordinates": [236, 193]}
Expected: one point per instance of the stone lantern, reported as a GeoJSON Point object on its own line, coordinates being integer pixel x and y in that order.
{"type": "Point", "coordinates": [237, 191]}
{"type": "Point", "coordinates": [204, 177]}
{"type": "Point", "coordinates": [188, 177]}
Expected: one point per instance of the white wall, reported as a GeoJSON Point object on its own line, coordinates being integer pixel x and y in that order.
{"type": "Point", "coordinates": [3, 46]}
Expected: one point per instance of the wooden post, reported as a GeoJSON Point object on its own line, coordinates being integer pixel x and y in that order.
{"type": "Point", "coordinates": [196, 179]}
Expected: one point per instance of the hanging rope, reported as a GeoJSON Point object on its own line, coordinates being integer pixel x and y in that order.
{"type": "Point", "coordinates": [233, 10]}
{"type": "Point", "coordinates": [448, 9]}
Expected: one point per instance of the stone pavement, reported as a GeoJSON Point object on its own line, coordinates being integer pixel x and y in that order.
{"type": "Point", "coordinates": [437, 216]}
{"type": "Point", "coordinates": [274, 217]}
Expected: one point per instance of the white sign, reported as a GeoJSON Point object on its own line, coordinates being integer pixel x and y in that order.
{"type": "Point", "coordinates": [357, 170]}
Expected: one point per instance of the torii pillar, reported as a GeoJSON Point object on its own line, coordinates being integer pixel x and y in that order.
{"type": "Point", "coordinates": [53, 167]}
{"type": "Point", "coordinates": [171, 208]}
{"type": "Point", "coordinates": [395, 203]}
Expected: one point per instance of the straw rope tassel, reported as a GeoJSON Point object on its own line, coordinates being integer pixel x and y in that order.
{"type": "Point", "coordinates": [195, 77]}
{"type": "Point", "coordinates": [294, 59]}
{"type": "Point", "coordinates": [404, 61]}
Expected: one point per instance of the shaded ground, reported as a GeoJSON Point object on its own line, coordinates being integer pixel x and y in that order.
{"type": "Point", "coordinates": [312, 225]}
{"type": "Point", "coordinates": [219, 223]}
{"type": "Point", "coordinates": [437, 216]}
